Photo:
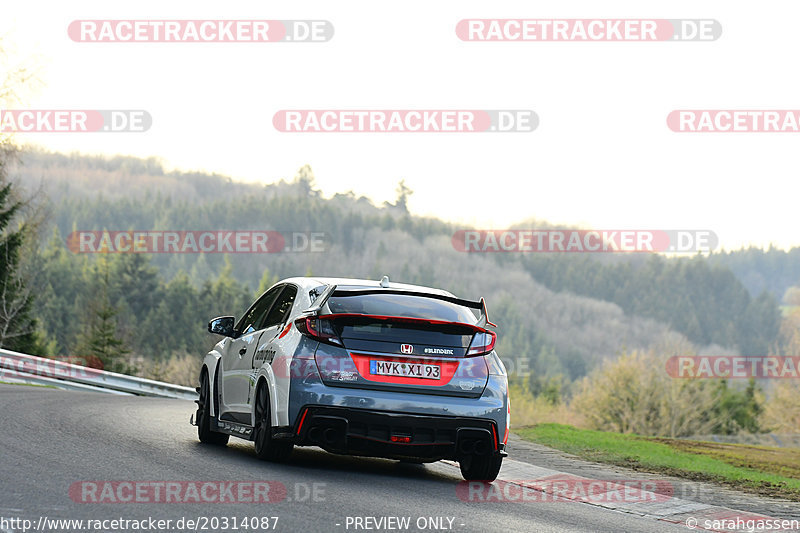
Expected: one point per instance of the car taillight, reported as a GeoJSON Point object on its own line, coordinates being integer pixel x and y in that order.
{"type": "Point", "coordinates": [318, 329]}
{"type": "Point", "coordinates": [482, 342]}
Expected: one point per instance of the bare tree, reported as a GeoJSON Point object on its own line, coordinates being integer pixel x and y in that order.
{"type": "Point", "coordinates": [634, 394]}
{"type": "Point", "coordinates": [18, 77]}
{"type": "Point", "coordinates": [782, 411]}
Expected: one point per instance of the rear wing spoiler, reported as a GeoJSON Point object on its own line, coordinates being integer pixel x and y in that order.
{"type": "Point", "coordinates": [331, 290]}
{"type": "Point", "coordinates": [320, 301]}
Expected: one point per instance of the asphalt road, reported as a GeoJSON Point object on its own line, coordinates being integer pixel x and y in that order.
{"type": "Point", "coordinates": [51, 440]}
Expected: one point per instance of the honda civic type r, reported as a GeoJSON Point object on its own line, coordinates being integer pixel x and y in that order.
{"type": "Point", "coordinates": [359, 367]}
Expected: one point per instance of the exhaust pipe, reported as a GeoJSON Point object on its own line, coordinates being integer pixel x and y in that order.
{"type": "Point", "coordinates": [473, 447]}
{"type": "Point", "coordinates": [329, 435]}
{"type": "Point", "coordinates": [466, 446]}
{"type": "Point", "coordinates": [481, 447]}
{"type": "Point", "coordinates": [314, 434]}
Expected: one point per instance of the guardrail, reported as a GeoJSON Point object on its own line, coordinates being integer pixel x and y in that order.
{"type": "Point", "coordinates": [19, 367]}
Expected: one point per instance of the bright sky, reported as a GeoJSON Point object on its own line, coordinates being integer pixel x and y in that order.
{"type": "Point", "coordinates": [602, 155]}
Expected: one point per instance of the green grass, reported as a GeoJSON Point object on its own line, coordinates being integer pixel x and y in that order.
{"type": "Point", "coordinates": [27, 384]}
{"type": "Point", "coordinates": [759, 469]}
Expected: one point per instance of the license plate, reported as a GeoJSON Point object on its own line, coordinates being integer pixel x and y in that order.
{"type": "Point", "coordinates": [404, 370]}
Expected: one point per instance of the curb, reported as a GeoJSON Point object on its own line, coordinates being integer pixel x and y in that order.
{"type": "Point", "coordinates": [693, 515]}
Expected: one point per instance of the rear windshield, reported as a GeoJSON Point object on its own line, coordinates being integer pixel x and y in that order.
{"type": "Point", "coordinates": [402, 305]}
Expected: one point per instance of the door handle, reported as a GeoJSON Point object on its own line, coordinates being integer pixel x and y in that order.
{"type": "Point", "coordinates": [243, 351]}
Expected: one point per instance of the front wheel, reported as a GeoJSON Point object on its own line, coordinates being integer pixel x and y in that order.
{"type": "Point", "coordinates": [267, 448]}
{"type": "Point", "coordinates": [481, 467]}
{"type": "Point", "coordinates": [204, 431]}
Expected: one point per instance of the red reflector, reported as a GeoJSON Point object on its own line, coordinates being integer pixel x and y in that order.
{"type": "Point", "coordinates": [398, 438]}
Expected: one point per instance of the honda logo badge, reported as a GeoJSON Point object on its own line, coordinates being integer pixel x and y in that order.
{"type": "Point", "coordinates": [406, 348]}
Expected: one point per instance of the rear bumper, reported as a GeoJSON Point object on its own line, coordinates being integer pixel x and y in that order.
{"type": "Point", "coordinates": [396, 435]}
{"type": "Point", "coordinates": [363, 420]}
{"type": "Point", "coordinates": [306, 389]}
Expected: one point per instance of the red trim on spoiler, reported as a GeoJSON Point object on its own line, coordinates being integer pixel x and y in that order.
{"type": "Point", "coordinates": [407, 319]}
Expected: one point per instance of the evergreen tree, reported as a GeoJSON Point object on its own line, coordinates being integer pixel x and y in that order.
{"type": "Point", "coordinates": [61, 295]}
{"type": "Point", "coordinates": [17, 325]}
{"type": "Point", "coordinates": [100, 338]}
{"type": "Point", "coordinates": [136, 281]}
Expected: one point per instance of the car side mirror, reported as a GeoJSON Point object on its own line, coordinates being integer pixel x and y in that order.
{"type": "Point", "coordinates": [222, 325]}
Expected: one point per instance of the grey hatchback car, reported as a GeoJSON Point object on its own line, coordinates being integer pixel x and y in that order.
{"type": "Point", "coordinates": [359, 367]}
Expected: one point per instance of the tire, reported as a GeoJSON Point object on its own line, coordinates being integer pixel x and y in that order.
{"type": "Point", "coordinates": [267, 448]}
{"type": "Point", "coordinates": [204, 431]}
{"type": "Point", "coordinates": [481, 467]}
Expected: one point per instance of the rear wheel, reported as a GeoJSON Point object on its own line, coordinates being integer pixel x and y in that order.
{"type": "Point", "coordinates": [267, 448]}
{"type": "Point", "coordinates": [481, 467]}
{"type": "Point", "coordinates": [204, 431]}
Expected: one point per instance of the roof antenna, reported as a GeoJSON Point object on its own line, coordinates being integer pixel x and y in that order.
{"type": "Point", "coordinates": [385, 282]}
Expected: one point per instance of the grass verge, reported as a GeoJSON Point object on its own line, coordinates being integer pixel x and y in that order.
{"type": "Point", "coordinates": [760, 470]}
{"type": "Point", "coordinates": [26, 384]}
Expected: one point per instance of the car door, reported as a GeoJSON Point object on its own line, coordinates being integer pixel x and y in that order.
{"type": "Point", "coordinates": [269, 346]}
{"type": "Point", "coordinates": [237, 358]}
